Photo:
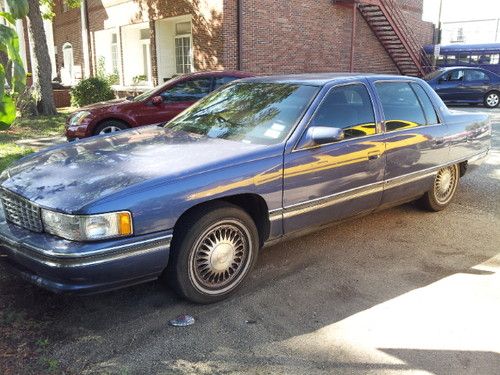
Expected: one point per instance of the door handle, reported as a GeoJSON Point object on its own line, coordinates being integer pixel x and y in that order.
{"type": "Point", "coordinates": [439, 141]}
{"type": "Point", "coordinates": [373, 156]}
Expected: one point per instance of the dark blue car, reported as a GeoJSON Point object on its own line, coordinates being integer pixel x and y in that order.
{"type": "Point", "coordinates": [251, 164]}
{"type": "Point", "coordinates": [463, 85]}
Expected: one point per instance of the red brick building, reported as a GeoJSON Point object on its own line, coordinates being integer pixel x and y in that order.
{"type": "Point", "coordinates": [145, 42]}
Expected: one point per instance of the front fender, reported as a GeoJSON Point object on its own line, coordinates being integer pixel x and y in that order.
{"type": "Point", "coordinates": [159, 207]}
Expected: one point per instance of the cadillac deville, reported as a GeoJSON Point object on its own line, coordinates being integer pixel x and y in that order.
{"type": "Point", "coordinates": [253, 163]}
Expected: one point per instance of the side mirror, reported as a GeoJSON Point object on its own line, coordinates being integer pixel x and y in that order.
{"type": "Point", "coordinates": [157, 100]}
{"type": "Point", "coordinates": [319, 135]}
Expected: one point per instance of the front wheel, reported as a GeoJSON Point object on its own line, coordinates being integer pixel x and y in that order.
{"type": "Point", "coordinates": [443, 189]}
{"type": "Point", "coordinates": [110, 126]}
{"type": "Point", "coordinates": [492, 99]}
{"type": "Point", "coordinates": [212, 252]}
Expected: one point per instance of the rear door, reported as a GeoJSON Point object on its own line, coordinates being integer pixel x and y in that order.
{"type": "Point", "coordinates": [332, 181]}
{"type": "Point", "coordinates": [476, 84]}
{"type": "Point", "coordinates": [416, 140]}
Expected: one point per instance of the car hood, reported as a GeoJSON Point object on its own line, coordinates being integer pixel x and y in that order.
{"type": "Point", "coordinates": [71, 176]}
{"type": "Point", "coordinates": [102, 105]}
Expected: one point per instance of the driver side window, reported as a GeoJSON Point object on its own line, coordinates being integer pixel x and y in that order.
{"type": "Point", "coordinates": [455, 75]}
{"type": "Point", "coordinates": [349, 108]}
{"type": "Point", "coordinates": [188, 91]}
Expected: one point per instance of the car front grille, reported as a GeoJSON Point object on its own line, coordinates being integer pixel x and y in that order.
{"type": "Point", "coordinates": [21, 212]}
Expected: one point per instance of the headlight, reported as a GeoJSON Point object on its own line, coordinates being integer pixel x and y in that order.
{"type": "Point", "coordinates": [87, 227]}
{"type": "Point", "coordinates": [78, 117]}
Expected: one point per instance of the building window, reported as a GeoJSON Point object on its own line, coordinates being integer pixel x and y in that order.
{"type": "Point", "coordinates": [114, 52]}
{"type": "Point", "coordinates": [183, 48]}
{"type": "Point", "coordinates": [146, 54]}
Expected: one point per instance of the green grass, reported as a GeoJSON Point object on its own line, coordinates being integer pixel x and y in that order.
{"type": "Point", "coordinates": [24, 128]}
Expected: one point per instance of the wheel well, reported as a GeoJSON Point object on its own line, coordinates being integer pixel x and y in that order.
{"type": "Point", "coordinates": [110, 119]}
{"type": "Point", "coordinates": [463, 168]}
{"type": "Point", "coordinates": [253, 204]}
{"type": "Point", "coordinates": [491, 91]}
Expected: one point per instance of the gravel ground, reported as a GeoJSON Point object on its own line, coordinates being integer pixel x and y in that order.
{"type": "Point", "coordinates": [399, 291]}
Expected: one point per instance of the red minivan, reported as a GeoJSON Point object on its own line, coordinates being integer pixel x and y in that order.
{"type": "Point", "coordinates": [161, 104]}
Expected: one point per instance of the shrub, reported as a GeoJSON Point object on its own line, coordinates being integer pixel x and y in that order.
{"type": "Point", "coordinates": [91, 90]}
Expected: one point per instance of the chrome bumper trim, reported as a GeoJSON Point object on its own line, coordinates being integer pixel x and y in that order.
{"type": "Point", "coordinates": [89, 258]}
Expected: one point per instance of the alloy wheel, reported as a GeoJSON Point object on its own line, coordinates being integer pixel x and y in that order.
{"type": "Point", "coordinates": [109, 129]}
{"type": "Point", "coordinates": [492, 99]}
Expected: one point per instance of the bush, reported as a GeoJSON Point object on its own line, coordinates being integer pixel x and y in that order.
{"type": "Point", "coordinates": [91, 90]}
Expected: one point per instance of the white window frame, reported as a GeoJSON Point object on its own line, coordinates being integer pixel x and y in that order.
{"type": "Point", "coordinates": [183, 36]}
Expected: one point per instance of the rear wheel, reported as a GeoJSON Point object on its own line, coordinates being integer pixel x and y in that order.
{"type": "Point", "coordinates": [110, 126]}
{"type": "Point", "coordinates": [492, 99]}
{"type": "Point", "coordinates": [443, 189]}
{"type": "Point", "coordinates": [212, 252]}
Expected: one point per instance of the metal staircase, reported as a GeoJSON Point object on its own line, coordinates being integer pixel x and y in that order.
{"type": "Point", "coordinates": [389, 24]}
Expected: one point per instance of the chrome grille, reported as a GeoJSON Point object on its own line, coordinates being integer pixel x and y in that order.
{"type": "Point", "coordinates": [21, 212]}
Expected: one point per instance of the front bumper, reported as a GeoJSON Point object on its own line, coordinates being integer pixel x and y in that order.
{"type": "Point", "coordinates": [71, 267]}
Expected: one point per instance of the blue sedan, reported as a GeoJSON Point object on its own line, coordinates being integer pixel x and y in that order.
{"type": "Point", "coordinates": [464, 85]}
{"type": "Point", "coordinates": [253, 163]}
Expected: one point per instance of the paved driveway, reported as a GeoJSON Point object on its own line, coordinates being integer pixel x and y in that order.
{"type": "Point", "coordinates": [397, 292]}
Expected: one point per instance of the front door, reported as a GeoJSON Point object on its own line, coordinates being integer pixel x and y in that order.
{"type": "Point", "coordinates": [175, 100]}
{"type": "Point", "coordinates": [332, 181]}
{"type": "Point", "coordinates": [416, 141]}
{"type": "Point", "coordinates": [450, 86]}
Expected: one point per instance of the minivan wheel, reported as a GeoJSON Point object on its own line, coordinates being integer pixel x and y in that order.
{"type": "Point", "coordinates": [110, 126]}
{"type": "Point", "coordinates": [492, 99]}
{"type": "Point", "coordinates": [443, 189]}
{"type": "Point", "coordinates": [212, 253]}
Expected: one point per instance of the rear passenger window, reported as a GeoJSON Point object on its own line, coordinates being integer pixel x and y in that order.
{"type": "Point", "coordinates": [475, 75]}
{"type": "Point", "coordinates": [425, 101]}
{"type": "Point", "coordinates": [402, 109]}
{"type": "Point", "coordinates": [349, 108]}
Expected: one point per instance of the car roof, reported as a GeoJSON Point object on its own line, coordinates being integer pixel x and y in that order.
{"type": "Point", "coordinates": [321, 79]}
{"type": "Point", "coordinates": [444, 69]}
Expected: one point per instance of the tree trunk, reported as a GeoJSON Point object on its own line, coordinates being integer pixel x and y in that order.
{"type": "Point", "coordinates": [40, 61]}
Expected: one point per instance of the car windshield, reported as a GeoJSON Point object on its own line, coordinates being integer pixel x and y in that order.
{"type": "Point", "coordinates": [433, 75]}
{"type": "Point", "coordinates": [250, 112]}
{"type": "Point", "coordinates": [143, 96]}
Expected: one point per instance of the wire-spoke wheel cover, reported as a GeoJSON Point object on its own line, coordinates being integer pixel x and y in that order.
{"type": "Point", "coordinates": [445, 184]}
{"type": "Point", "coordinates": [109, 129]}
{"type": "Point", "coordinates": [493, 99]}
{"type": "Point", "coordinates": [221, 257]}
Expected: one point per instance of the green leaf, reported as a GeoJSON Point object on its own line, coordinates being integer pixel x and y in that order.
{"type": "Point", "coordinates": [2, 84]}
{"type": "Point", "coordinates": [8, 17]}
{"type": "Point", "coordinates": [18, 8]}
{"type": "Point", "coordinates": [7, 111]}
{"type": "Point", "coordinates": [9, 44]}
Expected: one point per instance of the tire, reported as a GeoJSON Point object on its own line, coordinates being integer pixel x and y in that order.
{"type": "Point", "coordinates": [443, 190]}
{"type": "Point", "coordinates": [492, 99]}
{"type": "Point", "coordinates": [110, 126]}
{"type": "Point", "coordinates": [212, 252]}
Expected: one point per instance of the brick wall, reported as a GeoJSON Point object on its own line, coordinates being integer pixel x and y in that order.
{"type": "Point", "coordinates": [308, 36]}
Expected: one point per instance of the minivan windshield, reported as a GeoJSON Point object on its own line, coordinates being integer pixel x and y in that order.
{"type": "Point", "coordinates": [250, 112]}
